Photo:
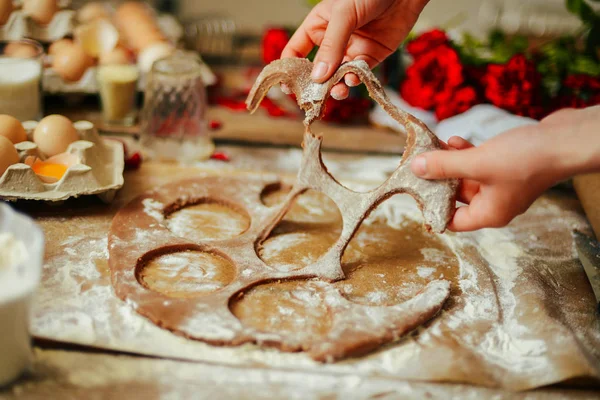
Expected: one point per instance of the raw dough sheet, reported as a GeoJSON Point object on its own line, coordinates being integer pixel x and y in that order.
{"type": "Point", "coordinates": [521, 313]}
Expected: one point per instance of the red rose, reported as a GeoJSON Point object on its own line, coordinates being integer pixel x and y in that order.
{"type": "Point", "coordinates": [460, 101]}
{"type": "Point", "coordinates": [426, 42]}
{"type": "Point", "coordinates": [432, 78]}
{"type": "Point", "coordinates": [582, 82]}
{"type": "Point", "coordinates": [514, 86]}
{"type": "Point", "coordinates": [344, 111]}
{"type": "Point", "coordinates": [273, 42]}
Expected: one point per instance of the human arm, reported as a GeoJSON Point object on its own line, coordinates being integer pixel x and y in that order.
{"type": "Point", "coordinates": [501, 178]}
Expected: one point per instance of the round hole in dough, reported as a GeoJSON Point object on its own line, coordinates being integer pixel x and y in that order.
{"type": "Point", "coordinates": [207, 221]}
{"type": "Point", "coordinates": [311, 226]}
{"type": "Point", "coordinates": [295, 308]}
{"type": "Point", "coordinates": [186, 274]}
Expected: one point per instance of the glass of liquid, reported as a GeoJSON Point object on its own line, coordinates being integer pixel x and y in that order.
{"type": "Point", "coordinates": [21, 67]}
{"type": "Point", "coordinates": [117, 85]}
{"type": "Point", "coordinates": [173, 120]}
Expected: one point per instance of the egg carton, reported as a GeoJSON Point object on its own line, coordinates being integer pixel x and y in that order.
{"type": "Point", "coordinates": [99, 173]}
{"type": "Point", "coordinates": [55, 84]}
{"type": "Point", "coordinates": [20, 26]}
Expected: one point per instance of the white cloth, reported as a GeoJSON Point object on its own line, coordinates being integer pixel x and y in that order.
{"type": "Point", "coordinates": [477, 125]}
{"type": "Point", "coordinates": [379, 117]}
{"type": "Point", "coordinates": [480, 123]}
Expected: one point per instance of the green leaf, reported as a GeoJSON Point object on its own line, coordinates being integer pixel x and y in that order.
{"type": "Point", "coordinates": [584, 65]}
{"type": "Point", "coordinates": [583, 10]}
{"type": "Point", "coordinates": [313, 53]}
{"type": "Point", "coordinates": [593, 41]}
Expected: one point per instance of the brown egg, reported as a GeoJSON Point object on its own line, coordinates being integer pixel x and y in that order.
{"type": "Point", "coordinates": [138, 26]}
{"type": "Point", "coordinates": [148, 38]}
{"type": "Point", "coordinates": [117, 56]}
{"type": "Point", "coordinates": [20, 50]}
{"type": "Point", "coordinates": [71, 62]}
{"type": "Point", "coordinates": [131, 8]}
{"type": "Point", "coordinates": [59, 45]}
{"type": "Point", "coordinates": [8, 154]}
{"type": "Point", "coordinates": [6, 8]}
{"type": "Point", "coordinates": [12, 129]}
{"type": "Point", "coordinates": [54, 134]}
{"type": "Point", "coordinates": [41, 11]}
{"type": "Point", "coordinates": [93, 11]}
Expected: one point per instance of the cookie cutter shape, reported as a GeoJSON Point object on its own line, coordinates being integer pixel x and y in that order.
{"type": "Point", "coordinates": [138, 235]}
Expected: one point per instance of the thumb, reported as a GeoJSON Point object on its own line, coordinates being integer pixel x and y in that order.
{"type": "Point", "coordinates": [444, 164]}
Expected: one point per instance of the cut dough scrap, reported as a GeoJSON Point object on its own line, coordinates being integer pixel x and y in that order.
{"type": "Point", "coordinates": [437, 199]}
{"type": "Point", "coordinates": [345, 326]}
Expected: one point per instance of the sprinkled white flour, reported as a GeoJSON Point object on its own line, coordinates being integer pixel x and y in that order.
{"type": "Point", "coordinates": [499, 330]}
{"type": "Point", "coordinates": [425, 272]}
{"type": "Point", "coordinates": [12, 251]}
{"type": "Point", "coordinates": [154, 209]}
{"type": "Point", "coordinates": [14, 280]}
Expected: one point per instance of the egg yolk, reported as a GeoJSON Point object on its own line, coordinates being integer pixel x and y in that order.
{"type": "Point", "coordinates": [50, 170]}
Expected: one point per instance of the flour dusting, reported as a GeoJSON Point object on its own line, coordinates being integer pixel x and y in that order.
{"type": "Point", "coordinates": [154, 209]}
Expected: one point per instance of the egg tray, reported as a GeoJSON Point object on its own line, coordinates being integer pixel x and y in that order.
{"type": "Point", "coordinates": [20, 26]}
{"type": "Point", "coordinates": [100, 171]}
{"type": "Point", "coordinates": [54, 84]}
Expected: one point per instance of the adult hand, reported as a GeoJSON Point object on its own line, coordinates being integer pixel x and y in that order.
{"type": "Point", "coordinates": [347, 30]}
{"type": "Point", "coordinates": [501, 178]}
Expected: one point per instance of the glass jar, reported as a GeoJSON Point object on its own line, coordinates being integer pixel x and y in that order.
{"type": "Point", "coordinates": [173, 119]}
{"type": "Point", "coordinates": [21, 68]}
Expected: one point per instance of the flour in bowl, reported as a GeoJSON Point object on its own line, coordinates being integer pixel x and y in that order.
{"type": "Point", "coordinates": [12, 252]}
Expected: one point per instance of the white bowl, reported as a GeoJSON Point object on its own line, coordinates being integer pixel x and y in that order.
{"type": "Point", "coordinates": [17, 286]}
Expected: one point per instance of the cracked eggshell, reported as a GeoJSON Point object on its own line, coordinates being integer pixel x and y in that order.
{"type": "Point", "coordinates": [97, 169]}
{"type": "Point", "coordinates": [8, 154]}
{"type": "Point", "coordinates": [97, 37]}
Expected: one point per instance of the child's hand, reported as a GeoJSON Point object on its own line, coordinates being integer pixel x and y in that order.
{"type": "Point", "coordinates": [347, 30]}
{"type": "Point", "coordinates": [504, 176]}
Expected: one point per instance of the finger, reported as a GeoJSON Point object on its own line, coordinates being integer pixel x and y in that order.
{"type": "Point", "coordinates": [458, 143]}
{"type": "Point", "coordinates": [446, 164]}
{"type": "Point", "coordinates": [340, 91]}
{"type": "Point", "coordinates": [468, 190]}
{"type": "Point", "coordinates": [299, 45]}
{"type": "Point", "coordinates": [483, 212]}
{"type": "Point", "coordinates": [333, 46]}
{"type": "Point", "coordinates": [351, 80]}
{"type": "Point", "coordinates": [462, 221]}
{"type": "Point", "coordinates": [372, 52]}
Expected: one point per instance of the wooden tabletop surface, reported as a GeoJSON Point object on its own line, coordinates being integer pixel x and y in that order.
{"type": "Point", "coordinates": [64, 371]}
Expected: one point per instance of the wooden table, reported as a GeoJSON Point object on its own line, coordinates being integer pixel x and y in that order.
{"type": "Point", "coordinates": [64, 371]}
